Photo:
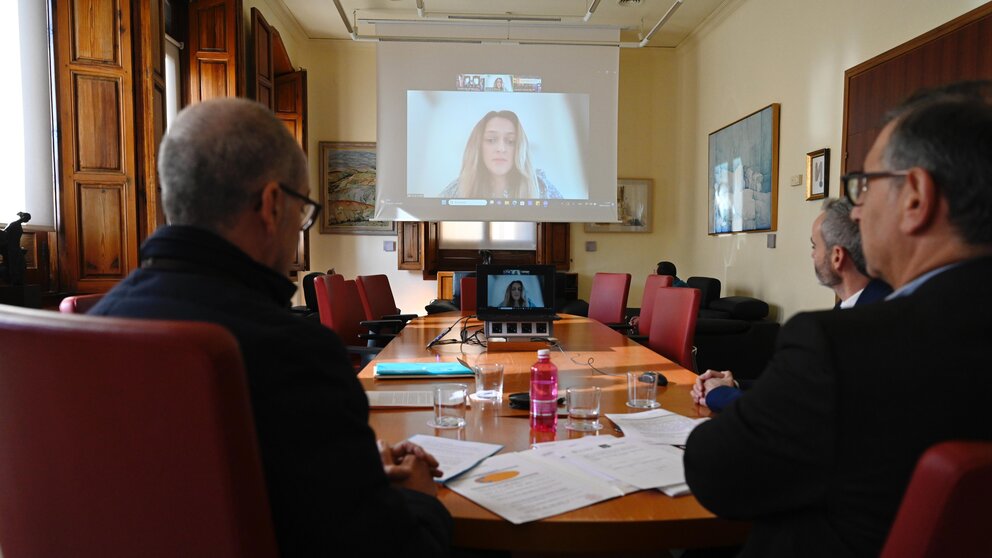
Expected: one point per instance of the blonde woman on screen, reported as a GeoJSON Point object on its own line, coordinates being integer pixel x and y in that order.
{"type": "Point", "coordinates": [497, 163]}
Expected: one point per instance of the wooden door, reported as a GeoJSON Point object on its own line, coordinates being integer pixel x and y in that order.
{"type": "Point", "coordinates": [260, 76]}
{"type": "Point", "coordinates": [215, 40]}
{"type": "Point", "coordinates": [291, 107]}
{"type": "Point", "coordinates": [149, 56]}
{"type": "Point", "coordinates": [96, 148]}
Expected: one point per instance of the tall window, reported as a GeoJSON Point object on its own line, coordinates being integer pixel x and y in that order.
{"type": "Point", "coordinates": [27, 157]}
{"type": "Point", "coordinates": [474, 235]}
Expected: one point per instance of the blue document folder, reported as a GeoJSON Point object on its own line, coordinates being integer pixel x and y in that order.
{"type": "Point", "coordinates": [421, 370]}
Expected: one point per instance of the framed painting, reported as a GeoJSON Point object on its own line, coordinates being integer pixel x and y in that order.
{"type": "Point", "coordinates": [817, 174]}
{"type": "Point", "coordinates": [347, 189]}
{"type": "Point", "coordinates": [743, 174]}
{"type": "Point", "coordinates": [633, 207]}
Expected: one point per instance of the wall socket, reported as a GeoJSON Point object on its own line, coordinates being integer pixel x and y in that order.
{"type": "Point", "coordinates": [388, 245]}
{"type": "Point", "coordinates": [796, 180]}
{"type": "Point", "coordinates": [591, 246]}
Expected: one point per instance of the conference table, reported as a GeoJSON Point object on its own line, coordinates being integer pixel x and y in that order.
{"type": "Point", "coordinates": [588, 354]}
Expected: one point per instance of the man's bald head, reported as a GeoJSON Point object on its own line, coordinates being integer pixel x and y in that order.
{"type": "Point", "coordinates": [217, 156]}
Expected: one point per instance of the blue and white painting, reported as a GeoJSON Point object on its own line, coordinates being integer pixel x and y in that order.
{"type": "Point", "coordinates": [743, 173]}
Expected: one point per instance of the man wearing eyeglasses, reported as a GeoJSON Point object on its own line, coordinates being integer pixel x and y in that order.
{"type": "Point", "coordinates": [234, 190]}
{"type": "Point", "coordinates": [828, 439]}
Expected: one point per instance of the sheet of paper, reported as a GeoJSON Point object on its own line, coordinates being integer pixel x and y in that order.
{"type": "Point", "coordinates": [382, 399]}
{"type": "Point", "coordinates": [454, 457]}
{"type": "Point", "coordinates": [633, 462]}
{"type": "Point", "coordinates": [521, 487]}
{"type": "Point", "coordinates": [561, 451]}
{"type": "Point", "coordinates": [657, 426]}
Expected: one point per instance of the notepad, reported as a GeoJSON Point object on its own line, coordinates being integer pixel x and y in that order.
{"type": "Point", "coordinates": [421, 370]}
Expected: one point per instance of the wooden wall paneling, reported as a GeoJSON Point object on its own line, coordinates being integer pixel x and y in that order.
{"type": "Point", "coordinates": [96, 148]}
{"type": "Point", "coordinates": [260, 76]}
{"type": "Point", "coordinates": [960, 49]}
{"type": "Point", "coordinates": [215, 41]}
{"type": "Point", "coordinates": [149, 66]}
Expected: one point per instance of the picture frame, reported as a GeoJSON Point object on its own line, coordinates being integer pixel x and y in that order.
{"type": "Point", "coordinates": [634, 207]}
{"type": "Point", "coordinates": [347, 189]}
{"type": "Point", "coordinates": [817, 174]}
{"type": "Point", "coordinates": [743, 174]}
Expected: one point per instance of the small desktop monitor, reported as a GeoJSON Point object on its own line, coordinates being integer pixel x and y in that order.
{"type": "Point", "coordinates": [515, 292]}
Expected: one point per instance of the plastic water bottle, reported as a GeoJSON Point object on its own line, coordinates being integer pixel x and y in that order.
{"type": "Point", "coordinates": [543, 393]}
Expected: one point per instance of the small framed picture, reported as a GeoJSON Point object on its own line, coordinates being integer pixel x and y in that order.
{"type": "Point", "coordinates": [817, 171]}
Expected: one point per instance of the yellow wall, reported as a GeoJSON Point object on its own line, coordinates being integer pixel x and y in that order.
{"type": "Point", "coordinates": [748, 54]}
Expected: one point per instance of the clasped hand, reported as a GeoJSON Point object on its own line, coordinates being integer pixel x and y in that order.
{"type": "Point", "coordinates": [708, 381]}
{"type": "Point", "coordinates": [410, 466]}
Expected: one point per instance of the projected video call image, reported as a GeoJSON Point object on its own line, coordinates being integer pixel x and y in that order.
{"type": "Point", "coordinates": [491, 145]}
{"type": "Point", "coordinates": [515, 291]}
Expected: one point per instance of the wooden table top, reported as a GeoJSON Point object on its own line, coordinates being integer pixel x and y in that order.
{"type": "Point", "coordinates": [591, 355]}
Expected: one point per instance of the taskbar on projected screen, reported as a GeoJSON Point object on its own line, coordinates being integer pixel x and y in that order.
{"type": "Point", "coordinates": [467, 202]}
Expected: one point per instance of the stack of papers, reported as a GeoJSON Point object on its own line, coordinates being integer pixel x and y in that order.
{"type": "Point", "coordinates": [558, 477]}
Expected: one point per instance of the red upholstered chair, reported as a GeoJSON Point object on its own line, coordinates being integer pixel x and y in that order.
{"type": "Point", "coordinates": [377, 299]}
{"type": "Point", "coordinates": [945, 509]}
{"type": "Point", "coordinates": [341, 310]}
{"type": "Point", "coordinates": [673, 324]}
{"type": "Point", "coordinates": [468, 300]}
{"type": "Point", "coordinates": [127, 438]}
{"type": "Point", "coordinates": [608, 298]}
{"type": "Point", "coordinates": [651, 286]}
{"type": "Point", "coordinates": [79, 304]}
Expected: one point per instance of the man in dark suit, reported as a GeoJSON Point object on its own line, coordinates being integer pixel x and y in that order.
{"type": "Point", "coordinates": [234, 188]}
{"type": "Point", "coordinates": [839, 261]}
{"type": "Point", "coordinates": [828, 439]}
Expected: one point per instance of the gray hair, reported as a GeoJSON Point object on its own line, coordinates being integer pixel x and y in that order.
{"type": "Point", "coordinates": [838, 229]}
{"type": "Point", "coordinates": [216, 158]}
{"type": "Point", "coordinates": [948, 132]}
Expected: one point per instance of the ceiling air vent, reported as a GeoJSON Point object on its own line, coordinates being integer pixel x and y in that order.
{"type": "Point", "coordinates": [628, 3]}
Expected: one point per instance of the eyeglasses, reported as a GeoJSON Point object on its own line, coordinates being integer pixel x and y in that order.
{"type": "Point", "coordinates": [309, 211]}
{"type": "Point", "coordinates": [855, 184]}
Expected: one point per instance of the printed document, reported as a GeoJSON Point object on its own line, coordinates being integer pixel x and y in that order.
{"type": "Point", "coordinates": [522, 487]}
{"type": "Point", "coordinates": [633, 462]}
{"type": "Point", "coordinates": [384, 399]}
{"type": "Point", "coordinates": [454, 457]}
{"type": "Point", "coordinates": [657, 426]}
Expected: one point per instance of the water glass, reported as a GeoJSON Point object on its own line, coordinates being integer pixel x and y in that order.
{"type": "Point", "coordinates": [642, 388]}
{"type": "Point", "coordinates": [583, 408]}
{"type": "Point", "coordinates": [449, 406]}
{"type": "Point", "coordinates": [488, 381]}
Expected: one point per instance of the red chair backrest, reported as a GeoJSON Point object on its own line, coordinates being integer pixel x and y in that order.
{"type": "Point", "coordinates": [126, 437]}
{"type": "Point", "coordinates": [376, 296]}
{"type": "Point", "coordinates": [608, 298]}
{"type": "Point", "coordinates": [339, 307]}
{"type": "Point", "coordinates": [79, 304]}
{"type": "Point", "coordinates": [673, 325]}
{"type": "Point", "coordinates": [468, 301]}
{"type": "Point", "coordinates": [651, 286]}
{"type": "Point", "coordinates": [945, 509]}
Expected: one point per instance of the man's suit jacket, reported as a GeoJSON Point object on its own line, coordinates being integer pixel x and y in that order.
{"type": "Point", "coordinates": [875, 291]}
{"type": "Point", "coordinates": [828, 439]}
